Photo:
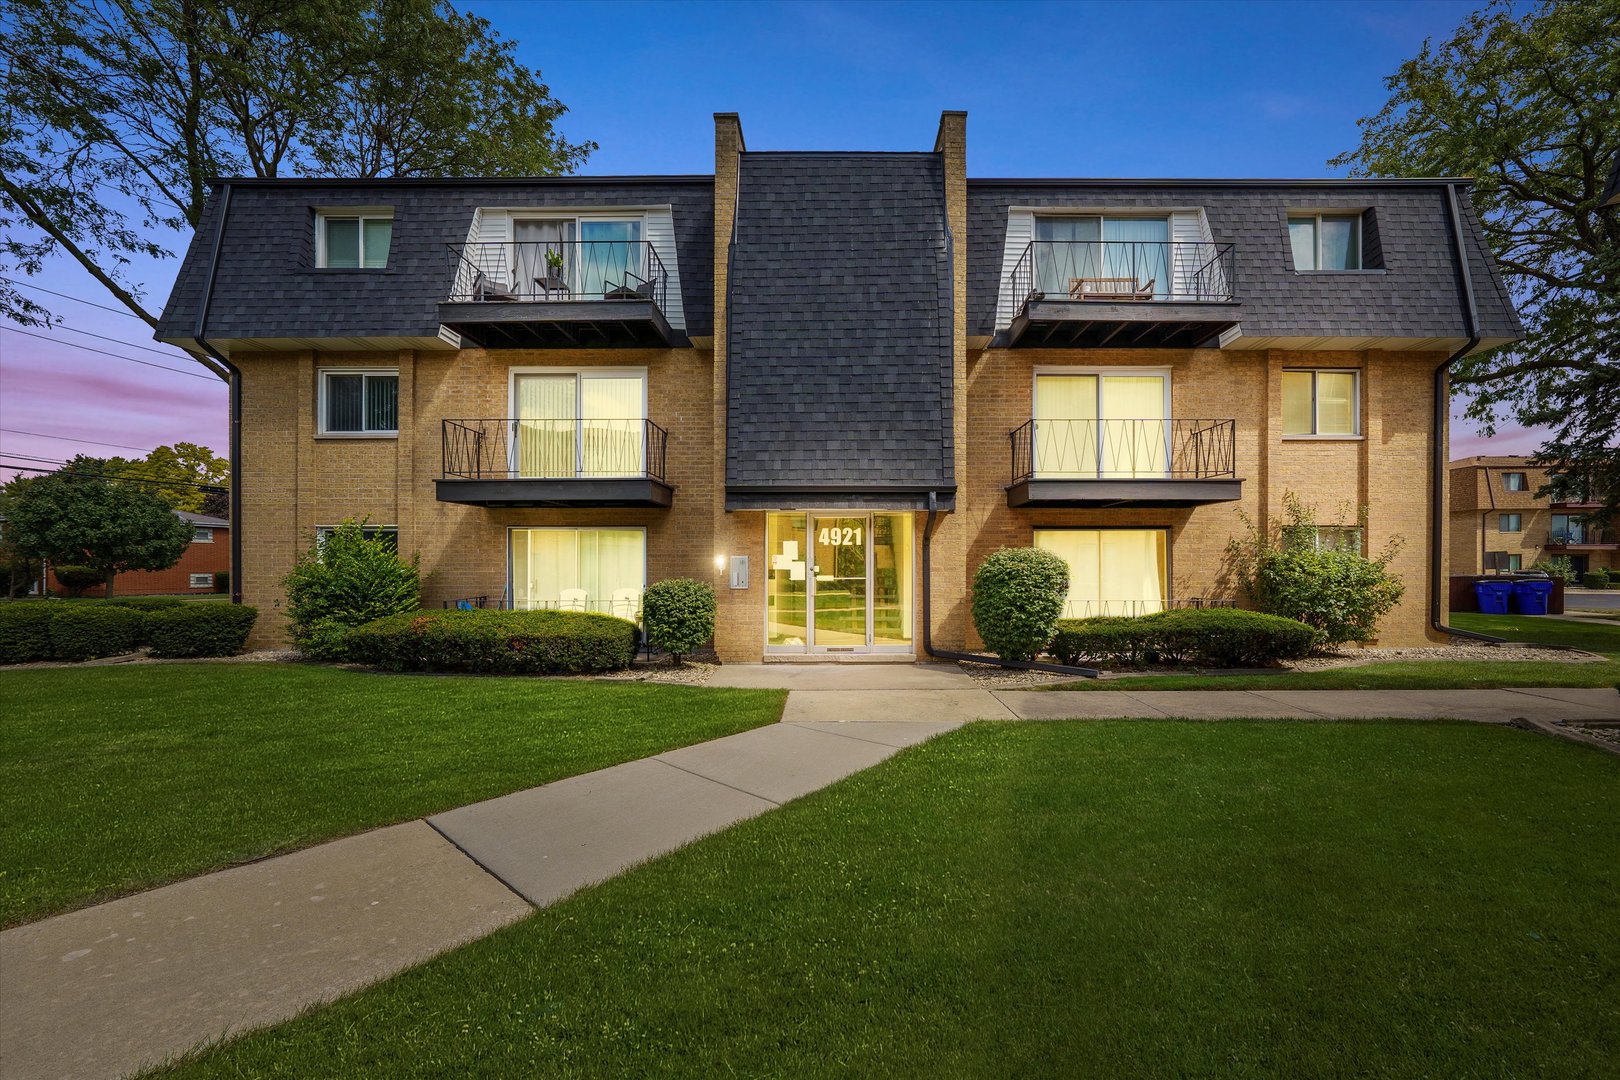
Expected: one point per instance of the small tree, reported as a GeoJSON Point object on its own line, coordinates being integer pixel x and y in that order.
{"type": "Point", "coordinates": [81, 521]}
{"type": "Point", "coordinates": [1018, 594]}
{"type": "Point", "coordinates": [76, 579]}
{"type": "Point", "coordinates": [1331, 587]}
{"type": "Point", "coordinates": [344, 581]}
{"type": "Point", "coordinates": [679, 615]}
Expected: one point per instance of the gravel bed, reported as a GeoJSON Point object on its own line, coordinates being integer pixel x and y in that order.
{"type": "Point", "coordinates": [1609, 733]}
{"type": "Point", "coordinates": [999, 678]}
{"type": "Point", "coordinates": [691, 673]}
{"type": "Point", "coordinates": [1471, 651]}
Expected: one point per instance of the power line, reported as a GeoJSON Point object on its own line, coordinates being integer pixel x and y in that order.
{"type": "Point", "coordinates": [104, 352]}
{"type": "Point", "coordinates": [121, 474]}
{"type": "Point", "coordinates": [115, 341]}
{"type": "Point", "coordinates": [116, 478]}
{"type": "Point", "coordinates": [125, 312]}
{"type": "Point", "coordinates": [69, 438]}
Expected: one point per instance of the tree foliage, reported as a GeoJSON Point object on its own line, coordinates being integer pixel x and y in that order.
{"type": "Point", "coordinates": [1526, 99]}
{"type": "Point", "coordinates": [346, 580]}
{"type": "Point", "coordinates": [176, 474]}
{"type": "Point", "coordinates": [86, 521]}
{"type": "Point", "coordinates": [114, 113]}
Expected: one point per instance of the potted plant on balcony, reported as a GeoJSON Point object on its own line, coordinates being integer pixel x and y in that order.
{"type": "Point", "coordinates": [553, 280]}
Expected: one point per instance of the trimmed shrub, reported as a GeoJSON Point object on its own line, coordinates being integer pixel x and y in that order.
{"type": "Point", "coordinates": [205, 629]}
{"type": "Point", "coordinates": [1017, 597]}
{"type": "Point", "coordinates": [25, 631]}
{"type": "Point", "coordinates": [1595, 579]}
{"type": "Point", "coordinates": [345, 581]}
{"type": "Point", "coordinates": [1207, 637]}
{"type": "Point", "coordinates": [222, 581]}
{"type": "Point", "coordinates": [148, 603]}
{"type": "Point", "coordinates": [679, 615]}
{"type": "Point", "coordinates": [88, 631]}
{"type": "Point", "coordinates": [495, 642]}
{"type": "Point", "coordinates": [1559, 566]}
{"type": "Point", "coordinates": [76, 579]}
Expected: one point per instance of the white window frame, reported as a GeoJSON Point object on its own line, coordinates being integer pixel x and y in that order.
{"type": "Point", "coordinates": [1317, 216]}
{"type": "Point", "coordinates": [580, 374]}
{"type": "Point", "coordinates": [1524, 477]}
{"type": "Point", "coordinates": [320, 403]}
{"type": "Point", "coordinates": [323, 531]}
{"type": "Point", "coordinates": [510, 596]}
{"type": "Point", "coordinates": [1316, 420]}
{"type": "Point", "coordinates": [202, 534]}
{"type": "Point", "coordinates": [1502, 522]}
{"type": "Point", "coordinates": [362, 214]}
{"type": "Point", "coordinates": [207, 581]}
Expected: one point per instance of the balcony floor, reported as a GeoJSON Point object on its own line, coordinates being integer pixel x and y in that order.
{"type": "Point", "coordinates": [636, 491]}
{"type": "Point", "coordinates": [1093, 324]}
{"type": "Point", "coordinates": [1036, 492]}
{"type": "Point", "coordinates": [560, 324]}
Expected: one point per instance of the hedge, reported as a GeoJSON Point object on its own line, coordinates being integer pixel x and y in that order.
{"type": "Point", "coordinates": [1206, 637]}
{"type": "Point", "coordinates": [149, 603]}
{"type": "Point", "coordinates": [1595, 579]}
{"type": "Point", "coordinates": [495, 642]}
{"type": "Point", "coordinates": [200, 629]}
{"type": "Point", "coordinates": [89, 631]}
{"type": "Point", "coordinates": [25, 631]}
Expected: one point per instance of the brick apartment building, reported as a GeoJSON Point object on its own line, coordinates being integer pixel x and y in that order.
{"type": "Point", "coordinates": [208, 553]}
{"type": "Point", "coordinates": [1499, 522]}
{"type": "Point", "coordinates": [832, 383]}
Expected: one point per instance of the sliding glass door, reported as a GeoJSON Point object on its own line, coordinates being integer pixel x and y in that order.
{"type": "Point", "coordinates": [579, 424]}
{"type": "Point", "coordinates": [1101, 426]}
{"type": "Point", "coordinates": [838, 582]}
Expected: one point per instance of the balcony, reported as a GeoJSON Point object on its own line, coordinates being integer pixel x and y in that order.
{"type": "Point", "coordinates": [1582, 538]}
{"type": "Point", "coordinates": [576, 294]}
{"type": "Point", "coordinates": [524, 462]}
{"type": "Point", "coordinates": [1096, 463]}
{"type": "Point", "coordinates": [1122, 294]}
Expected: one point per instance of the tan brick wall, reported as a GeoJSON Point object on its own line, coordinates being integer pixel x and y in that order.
{"type": "Point", "coordinates": [1387, 468]}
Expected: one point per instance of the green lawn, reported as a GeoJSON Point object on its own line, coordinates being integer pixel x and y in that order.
{"type": "Point", "coordinates": [1421, 674]}
{"type": "Point", "coordinates": [1111, 899]}
{"type": "Point", "coordinates": [113, 779]}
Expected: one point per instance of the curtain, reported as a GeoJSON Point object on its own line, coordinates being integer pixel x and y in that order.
{"type": "Point", "coordinates": [1065, 425]}
{"type": "Point", "coordinates": [345, 402]}
{"type": "Point", "coordinates": [1298, 401]}
{"type": "Point", "coordinates": [1335, 403]}
{"type": "Point", "coordinates": [379, 232]}
{"type": "Point", "coordinates": [1139, 249]}
{"type": "Point", "coordinates": [531, 268]}
{"type": "Point", "coordinates": [382, 402]}
{"type": "Point", "coordinates": [1111, 571]}
{"type": "Point", "coordinates": [607, 565]}
{"type": "Point", "coordinates": [1060, 253]}
{"type": "Point", "coordinates": [611, 416]}
{"type": "Point", "coordinates": [545, 426]}
{"type": "Point", "coordinates": [1135, 428]}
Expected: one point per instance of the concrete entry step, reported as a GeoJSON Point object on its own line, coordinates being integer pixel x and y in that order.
{"type": "Point", "coordinates": [842, 676]}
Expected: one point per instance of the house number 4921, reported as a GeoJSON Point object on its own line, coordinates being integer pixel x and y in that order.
{"type": "Point", "coordinates": [839, 537]}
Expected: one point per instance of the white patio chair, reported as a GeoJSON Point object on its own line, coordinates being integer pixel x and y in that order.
{"type": "Point", "coordinates": [571, 600]}
{"type": "Point", "coordinates": [627, 603]}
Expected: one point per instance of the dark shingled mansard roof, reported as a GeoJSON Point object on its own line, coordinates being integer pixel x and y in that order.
{"type": "Point", "coordinates": [1417, 294]}
{"type": "Point", "coordinates": [269, 287]}
{"type": "Point", "coordinates": [840, 324]}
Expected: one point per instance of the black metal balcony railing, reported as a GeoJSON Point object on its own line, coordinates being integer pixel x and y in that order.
{"type": "Point", "coordinates": [1581, 536]}
{"type": "Point", "coordinates": [521, 449]}
{"type": "Point", "coordinates": [1123, 270]}
{"type": "Point", "coordinates": [530, 271]}
{"type": "Point", "coordinates": [1124, 450]}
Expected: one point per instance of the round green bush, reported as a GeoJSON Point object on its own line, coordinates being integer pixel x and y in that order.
{"type": "Point", "coordinates": [25, 630]}
{"type": "Point", "coordinates": [200, 629]}
{"type": "Point", "coordinates": [1197, 637]}
{"type": "Point", "coordinates": [347, 580]}
{"type": "Point", "coordinates": [679, 615]}
{"type": "Point", "coordinates": [1595, 579]}
{"type": "Point", "coordinates": [1342, 595]}
{"type": "Point", "coordinates": [88, 631]}
{"type": "Point", "coordinates": [76, 579]}
{"type": "Point", "coordinates": [1017, 597]}
{"type": "Point", "coordinates": [495, 642]}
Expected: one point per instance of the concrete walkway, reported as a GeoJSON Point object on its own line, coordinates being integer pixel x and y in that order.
{"type": "Point", "coordinates": [125, 985]}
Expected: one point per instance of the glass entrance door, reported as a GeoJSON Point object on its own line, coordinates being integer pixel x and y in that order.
{"type": "Point", "coordinates": [838, 582]}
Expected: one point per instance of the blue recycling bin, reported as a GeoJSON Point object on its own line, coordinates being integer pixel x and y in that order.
{"type": "Point", "coordinates": [1493, 596]}
{"type": "Point", "coordinates": [1532, 597]}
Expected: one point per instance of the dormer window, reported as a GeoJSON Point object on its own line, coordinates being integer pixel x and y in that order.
{"type": "Point", "coordinates": [350, 240]}
{"type": "Point", "coordinates": [1325, 241]}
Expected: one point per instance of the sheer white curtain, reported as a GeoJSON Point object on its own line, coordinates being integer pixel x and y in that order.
{"type": "Point", "coordinates": [607, 564]}
{"type": "Point", "coordinates": [545, 426]}
{"type": "Point", "coordinates": [611, 416]}
{"type": "Point", "coordinates": [1065, 425]}
{"type": "Point", "coordinates": [1111, 571]}
{"type": "Point", "coordinates": [1135, 429]}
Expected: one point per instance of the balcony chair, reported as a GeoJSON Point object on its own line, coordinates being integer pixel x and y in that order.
{"type": "Point", "coordinates": [485, 289]}
{"type": "Point", "coordinates": [1110, 288]}
{"type": "Point", "coordinates": [626, 291]}
{"type": "Point", "coordinates": [626, 603]}
{"type": "Point", "coordinates": [571, 600]}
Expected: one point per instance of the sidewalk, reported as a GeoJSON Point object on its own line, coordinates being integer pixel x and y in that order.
{"type": "Point", "coordinates": [124, 985]}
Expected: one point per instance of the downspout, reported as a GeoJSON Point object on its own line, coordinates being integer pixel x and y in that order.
{"type": "Point", "coordinates": [199, 334]}
{"type": "Point", "coordinates": [1439, 445]}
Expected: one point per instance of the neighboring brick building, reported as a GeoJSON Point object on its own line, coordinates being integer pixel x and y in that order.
{"type": "Point", "coordinates": [1498, 522]}
{"type": "Point", "coordinates": [208, 554]}
{"type": "Point", "coordinates": [809, 375]}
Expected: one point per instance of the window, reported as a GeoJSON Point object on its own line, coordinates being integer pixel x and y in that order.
{"type": "Point", "coordinates": [576, 258]}
{"type": "Point", "coordinates": [1511, 562]}
{"type": "Point", "coordinates": [361, 402]}
{"type": "Point", "coordinates": [353, 241]}
{"type": "Point", "coordinates": [1101, 425]}
{"type": "Point", "coordinates": [1510, 523]}
{"type": "Point", "coordinates": [202, 534]}
{"type": "Point", "coordinates": [1111, 571]}
{"type": "Point", "coordinates": [1324, 537]}
{"type": "Point", "coordinates": [579, 570]}
{"type": "Point", "coordinates": [1325, 241]}
{"type": "Point", "coordinates": [201, 581]}
{"type": "Point", "coordinates": [1320, 403]}
{"type": "Point", "coordinates": [1568, 529]}
{"type": "Point", "coordinates": [580, 423]}
{"type": "Point", "coordinates": [388, 533]}
{"type": "Point", "coordinates": [1124, 254]}
{"type": "Point", "coordinates": [1513, 481]}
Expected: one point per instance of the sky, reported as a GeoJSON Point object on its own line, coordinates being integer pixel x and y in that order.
{"type": "Point", "coordinates": [1111, 89]}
